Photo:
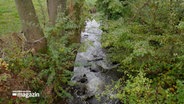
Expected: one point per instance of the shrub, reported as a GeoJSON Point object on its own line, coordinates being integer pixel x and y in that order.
{"type": "Point", "coordinates": [151, 40]}
{"type": "Point", "coordinates": [114, 9]}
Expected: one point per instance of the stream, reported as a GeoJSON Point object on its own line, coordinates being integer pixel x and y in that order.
{"type": "Point", "coordinates": [92, 71]}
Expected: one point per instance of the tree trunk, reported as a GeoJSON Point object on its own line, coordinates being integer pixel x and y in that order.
{"type": "Point", "coordinates": [78, 6]}
{"type": "Point", "coordinates": [55, 7]}
{"type": "Point", "coordinates": [70, 9]}
{"type": "Point", "coordinates": [34, 35]}
{"type": "Point", "coordinates": [63, 5]}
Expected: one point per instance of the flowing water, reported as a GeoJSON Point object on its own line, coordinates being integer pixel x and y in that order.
{"type": "Point", "coordinates": [92, 71]}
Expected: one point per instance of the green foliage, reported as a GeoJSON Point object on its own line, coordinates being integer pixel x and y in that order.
{"type": "Point", "coordinates": [90, 2]}
{"type": "Point", "coordinates": [80, 14]}
{"type": "Point", "coordinates": [180, 92]}
{"type": "Point", "coordinates": [114, 9]}
{"type": "Point", "coordinates": [158, 17]}
{"type": "Point", "coordinates": [150, 40]}
{"type": "Point", "coordinates": [48, 74]}
{"type": "Point", "coordinates": [43, 70]}
{"type": "Point", "coordinates": [140, 90]}
{"type": "Point", "coordinates": [4, 77]}
{"type": "Point", "coordinates": [137, 90]}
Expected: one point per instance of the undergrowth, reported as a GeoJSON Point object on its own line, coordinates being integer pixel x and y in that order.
{"type": "Point", "coordinates": [48, 74]}
{"type": "Point", "coordinates": [148, 44]}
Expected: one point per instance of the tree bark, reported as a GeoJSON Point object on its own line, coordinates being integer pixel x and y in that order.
{"type": "Point", "coordinates": [70, 9]}
{"type": "Point", "coordinates": [55, 7]}
{"type": "Point", "coordinates": [34, 35]}
{"type": "Point", "coordinates": [63, 5]}
{"type": "Point", "coordinates": [78, 19]}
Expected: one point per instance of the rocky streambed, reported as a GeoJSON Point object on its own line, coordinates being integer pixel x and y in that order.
{"type": "Point", "coordinates": [92, 71]}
